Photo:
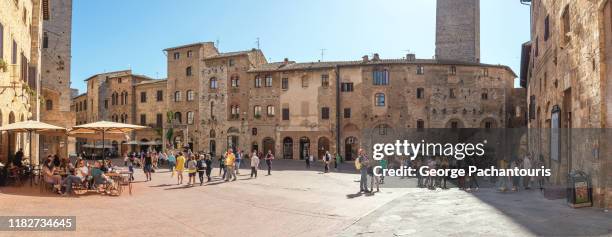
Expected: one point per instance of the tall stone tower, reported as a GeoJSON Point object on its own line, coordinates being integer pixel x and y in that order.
{"type": "Point", "coordinates": [458, 30]}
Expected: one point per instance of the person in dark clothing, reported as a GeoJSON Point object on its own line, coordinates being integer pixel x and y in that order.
{"type": "Point", "coordinates": [18, 160]}
{"type": "Point", "coordinates": [148, 166]}
{"type": "Point", "coordinates": [201, 167]}
{"type": "Point", "coordinates": [208, 162]}
{"type": "Point", "coordinates": [269, 158]}
{"type": "Point", "coordinates": [56, 161]}
{"type": "Point", "coordinates": [307, 162]}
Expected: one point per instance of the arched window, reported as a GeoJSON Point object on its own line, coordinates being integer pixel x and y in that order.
{"type": "Point", "coordinates": [235, 81]}
{"type": "Point", "coordinates": [212, 133]}
{"type": "Point", "coordinates": [189, 95]}
{"type": "Point", "coordinates": [188, 71]}
{"type": "Point", "coordinates": [213, 83]}
{"type": "Point", "coordinates": [190, 117]}
{"type": "Point", "coordinates": [380, 99]}
{"type": "Point", "coordinates": [177, 96]}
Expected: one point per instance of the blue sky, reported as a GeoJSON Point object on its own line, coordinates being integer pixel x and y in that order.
{"type": "Point", "coordinates": [117, 34]}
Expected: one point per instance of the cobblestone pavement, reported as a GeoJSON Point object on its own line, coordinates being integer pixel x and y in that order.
{"type": "Point", "coordinates": [486, 212]}
{"type": "Point", "coordinates": [290, 202]}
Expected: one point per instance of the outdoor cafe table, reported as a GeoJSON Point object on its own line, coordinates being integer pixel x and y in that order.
{"type": "Point", "coordinates": [119, 178]}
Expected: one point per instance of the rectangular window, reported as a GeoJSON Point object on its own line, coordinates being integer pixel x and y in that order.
{"type": "Point", "coordinates": [304, 82]}
{"type": "Point", "coordinates": [451, 93]}
{"type": "Point", "coordinates": [268, 81]}
{"type": "Point", "coordinates": [143, 97]}
{"type": "Point", "coordinates": [453, 70]}
{"type": "Point", "coordinates": [285, 83]}
{"type": "Point", "coordinates": [325, 80]}
{"type": "Point", "coordinates": [106, 104]}
{"type": "Point", "coordinates": [177, 55]}
{"type": "Point", "coordinates": [285, 113]}
{"type": "Point", "coordinates": [380, 77]}
{"type": "Point", "coordinates": [420, 93]}
{"type": "Point", "coordinates": [189, 53]}
{"type": "Point", "coordinates": [270, 110]}
{"type": "Point", "coordinates": [346, 87]}
{"type": "Point", "coordinates": [231, 62]}
{"type": "Point", "coordinates": [159, 96]}
{"type": "Point", "coordinates": [546, 28]}
{"type": "Point", "coordinates": [420, 70]}
{"type": "Point", "coordinates": [143, 119]}
{"type": "Point", "coordinates": [325, 113]}
{"type": "Point", "coordinates": [347, 112]}
{"type": "Point", "coordinates": [257, 82]}
{"type": "Point", "coordinates": [188, 71]}
{"type": "Point", "coordinates": [159, 118]}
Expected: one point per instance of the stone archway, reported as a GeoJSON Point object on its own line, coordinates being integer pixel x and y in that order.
{"type": "Point", "coordinates": [268, 145]}
{"type": "Point", "coordinates": [351, 144]}
{"type": "Point", "coordinates": [322, 146]}
{"type": "Point", "coordinates": [304, 147]}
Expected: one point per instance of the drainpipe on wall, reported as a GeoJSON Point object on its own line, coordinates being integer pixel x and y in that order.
{"type": "Point", "coordinates": [338, 109]}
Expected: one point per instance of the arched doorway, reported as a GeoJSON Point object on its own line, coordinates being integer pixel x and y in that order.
{"type": "Point", "coordinates": [322, 146]}
{"type": "Point", "coordinates": [454, 124]}
{"type": "Point", "coordinates": [212, 145]}
{"type": "Point", "coordinates": [268, 145]}
{"type": "Point", "coordinates": [304, 148]}
{"type": "Point", "coordinates": [287, 148]}
{"type": "Point", "coordinates": [350, 148]}
{"type": "Point", "coordinates": [232, 138]}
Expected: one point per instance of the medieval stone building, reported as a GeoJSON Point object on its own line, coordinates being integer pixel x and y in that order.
{"type": "Point", "coordinates": [565, 67]}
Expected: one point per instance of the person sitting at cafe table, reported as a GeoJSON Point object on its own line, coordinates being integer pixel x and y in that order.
{"type": "Point", "coordinates": [48, 174]}
{"type": "Point", "coordinates": [66, 166]}
{"type": "Point", "coordinates": [100, 178]}
{"type": "Point", "coordinates": [80, 175]}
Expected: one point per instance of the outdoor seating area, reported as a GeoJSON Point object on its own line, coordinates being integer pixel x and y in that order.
{"type": "Point", "coordinates": [66, 176]}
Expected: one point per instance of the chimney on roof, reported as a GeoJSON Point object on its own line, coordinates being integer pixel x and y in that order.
{"type": "Point", "coordinates": [286, 61]}
{"type": "Point", "coordinates": [376, 57]}
{"type": "Point", "coordinates": [410, 57]}
{"type": "Point", "coordinates": [365, 58]}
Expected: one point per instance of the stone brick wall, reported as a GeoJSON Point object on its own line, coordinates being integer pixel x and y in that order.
{"type": "Point", "coordinates": [458, 30]}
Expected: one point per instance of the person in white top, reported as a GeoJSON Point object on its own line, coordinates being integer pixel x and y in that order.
{"type": "Point", "coordinates": [81, 173]}
{"type": "Point", "coordinates": [254, 164]}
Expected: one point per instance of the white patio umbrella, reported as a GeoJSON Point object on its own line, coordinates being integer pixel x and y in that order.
{"type": "Point", "coordinates": [30, 127]}
{"type": "Point", "coordinates": [104, 127]}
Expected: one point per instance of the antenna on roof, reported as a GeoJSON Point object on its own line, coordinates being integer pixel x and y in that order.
{"type": "Point", "coordinates": [217, 43]}
{"type": "Point", "coordinates": [323, 53]}
{"type": "Point", "coordinates": [257, 42]}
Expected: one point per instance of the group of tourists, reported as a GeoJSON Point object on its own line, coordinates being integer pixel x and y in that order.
{"type": "Point", "coordinates": [198, 163]}
{"type": "Point", "coordinates": [327, 159]}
